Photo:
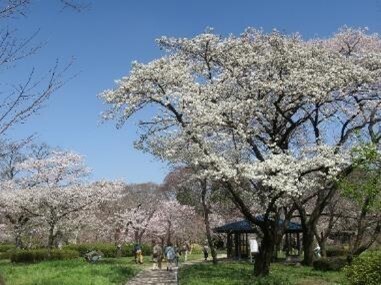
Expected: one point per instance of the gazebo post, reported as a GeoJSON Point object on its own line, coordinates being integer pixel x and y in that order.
{"type": "Point", "coordinates": [229, 245]}
{"type": "Point", "coordinates": [287, 244]}
{"type": "Point", "coordinates": [298, 242]}
{"type": "Point", "coordinates": [236, 247]}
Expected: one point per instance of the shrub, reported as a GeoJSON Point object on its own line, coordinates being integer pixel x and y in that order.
{"type": "Point", "coordinates": [365, 269]}
{"type": "Point", "coordinates": [330, 263]}
{"type": "Point", "coordinates": [336, 251]}
{"type": "Point", "coordinates": [196, 248]}
{"type": "Point", "coordinates": [37, 255]}
{"type": "Point", "coordinates": [6, 247]}
{"type": "Point", "coordinates": [108, 249]}
{"type": "Point", "coordinates": [128, 249]}
{"type": "Point", "coordinates": [6, 254]}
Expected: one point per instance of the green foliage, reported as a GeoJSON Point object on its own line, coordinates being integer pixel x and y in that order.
{"type": "Point", "coordinates": [365, 269]}
{"type": "Point", "coordinates": [37, 255]}
{"type": "Point", "coordinates": [6, 247]}
{"type": "Point", "coordinates": [108, 249]}
{"type": "Point", "coordinates": [196, 248]}
{"type": "Point", "coordinates": [68, 272]}
{"type": "Point", "coordinates": [330, 263]}
{"type": "Point", "coordinates": [6, 255]}
{"type": "Point", "coordinates": [128, 249]}
{"type": "Point", "coordinates": [364, 183]}
{"type": "Point", "coordinates": [336, 251]}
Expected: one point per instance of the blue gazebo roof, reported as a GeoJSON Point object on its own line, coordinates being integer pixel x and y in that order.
{"type": "Point", "coordinates": [245, 226]}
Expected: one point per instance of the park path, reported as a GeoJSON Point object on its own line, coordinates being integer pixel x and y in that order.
{"type": "Point", "coordinates": [160, 277]}
{"type": "Point", "coordinates": [155, 277]}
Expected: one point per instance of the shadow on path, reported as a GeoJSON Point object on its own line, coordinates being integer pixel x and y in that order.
{"type": "Point", "coordinates": [162, 277]}
{"type": "Point", "coordinates": [157, 277]}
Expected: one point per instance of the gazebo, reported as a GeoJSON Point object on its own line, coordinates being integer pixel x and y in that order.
{"type": "Point", "coordinates": [238, 236]}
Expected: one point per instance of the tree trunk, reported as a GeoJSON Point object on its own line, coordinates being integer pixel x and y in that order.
{"type": "Point", "coordinates": [207, 224]}
{"type": "Point", "coordinates": [265, 255]}
{"type": "Point", "coordinates": [323, 248]}
{"type": "Point", "coordinates": [169, 236]}
{"type": "Point", "coordinates": [308, 245]}
{"type": "Point", "coordinates": [18, 241]}
{"type": "Point", "coordinates": [51, 238]}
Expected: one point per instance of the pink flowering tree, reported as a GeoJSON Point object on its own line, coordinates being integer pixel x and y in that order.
{"type": "Point", "coordinates": [172, 222]}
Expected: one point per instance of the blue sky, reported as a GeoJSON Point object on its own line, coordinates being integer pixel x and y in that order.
{"type": "Point", "coordinates": [107, 38]}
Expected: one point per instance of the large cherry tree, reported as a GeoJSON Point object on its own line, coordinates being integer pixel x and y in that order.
{"type": "Point", "coordinates": [269, 116]}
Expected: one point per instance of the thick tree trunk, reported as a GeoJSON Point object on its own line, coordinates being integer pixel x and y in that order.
{"type": "Point", "coordinates": [265, 255]}
{"type": "Point", "coordinates": [308, 245]}
{"type": "Point", "coordinates": [323, 248]}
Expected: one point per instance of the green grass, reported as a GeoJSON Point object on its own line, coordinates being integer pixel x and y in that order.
{"type": "Point", "coordinates": [69, 272]}
{"type": "Point", "coordinates": [193, 257]}
{"type": "Point", "coordinates": [240, 273]}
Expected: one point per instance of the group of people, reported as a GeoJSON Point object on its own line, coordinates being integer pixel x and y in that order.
{"type": "Point", "coordinates": [170, 253]}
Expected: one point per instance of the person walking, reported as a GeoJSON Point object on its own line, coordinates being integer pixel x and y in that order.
{"type": "Point", "coordinates": [157, 256]}
{"type": "Point", "coordinates": [170, 255]}
{"type": "Point", "coordinates": [138, 253]}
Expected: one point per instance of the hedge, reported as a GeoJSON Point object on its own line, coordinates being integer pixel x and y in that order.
{"type": "Point", "coordinates": [37, 255]}
{"type": "Point", "coordinates": [330, 263]}
{"type": "Point", "coordinates": [336, 251]}
{"type": "Point", "coordinates": [6, 247]}
{"type": "Point", "coordinates": [365, 269]}
{"type": "Point", "coordinates": [5, 255]}
{"type": "Point", "coordinates": [108, 249]}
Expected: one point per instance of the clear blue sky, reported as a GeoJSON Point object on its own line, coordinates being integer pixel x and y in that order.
{"type": "Point", "coordinates": [104, 41]}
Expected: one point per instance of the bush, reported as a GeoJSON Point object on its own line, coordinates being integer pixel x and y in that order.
{"type": "Point", "coordinates": [37, 255]}
{"type": "Point", "coordinates": [196, 248]}
{"type": "Point", "coordinates": [336, 251]}
{"type": "Point", "coordinates": [365, 269]}
{"type": "Point", "coordinates": [330, 263]}
{"type": "Point", "coordinates": [6, 247]}
{"type": "Point", "coordinates": [128, 249]}
{"type": "Point", "coordinates": [108, 249]}
{"type": "Point", "coordinates": [6, 254]}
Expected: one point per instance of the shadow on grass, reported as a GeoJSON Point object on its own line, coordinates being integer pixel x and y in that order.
{"type": "Point", "coordinates": [223, 273]}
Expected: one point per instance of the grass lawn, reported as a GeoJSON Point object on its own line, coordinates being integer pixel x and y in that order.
{"type": "Point", "coordinates": [69, 272]}
{"type": "Point", "coordinates": [240, 273]}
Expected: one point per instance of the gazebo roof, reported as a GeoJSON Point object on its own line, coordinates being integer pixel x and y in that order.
{"type": "Point", "coordinates": [245, 226]}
